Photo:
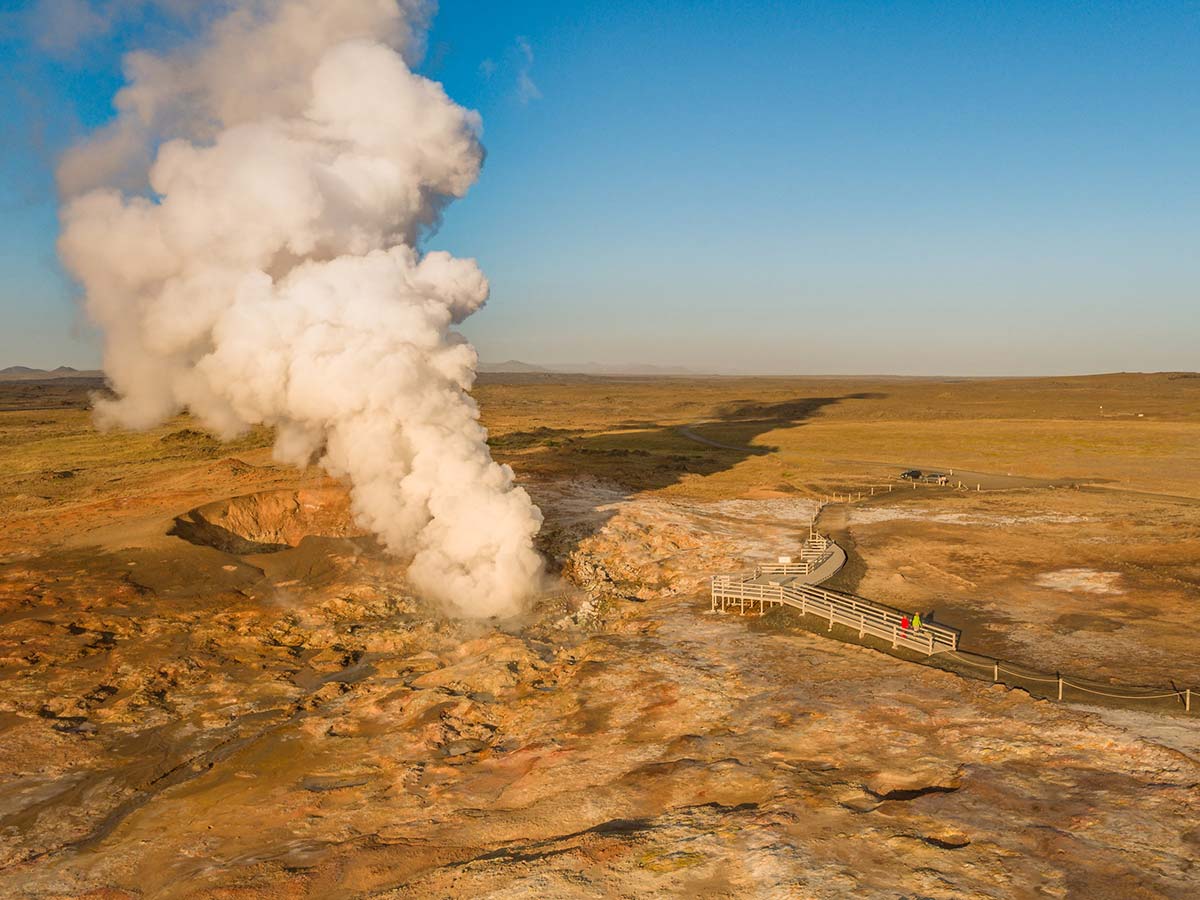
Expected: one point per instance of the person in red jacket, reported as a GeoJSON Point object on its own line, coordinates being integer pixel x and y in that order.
{"type": "Point", "coordinates": [904, 622]}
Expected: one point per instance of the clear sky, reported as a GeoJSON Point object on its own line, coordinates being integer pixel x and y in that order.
{"type": "Point", "coordinates": [834, 187]}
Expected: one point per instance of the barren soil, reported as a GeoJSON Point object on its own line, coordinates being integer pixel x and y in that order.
{"type": "Point", "coordinates": [213, 685]}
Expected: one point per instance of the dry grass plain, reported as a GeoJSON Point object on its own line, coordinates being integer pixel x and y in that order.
{"type": "Point", "coordinates": [1097, 474]}
{"type": "Point", "coordinates": [1136, 432]}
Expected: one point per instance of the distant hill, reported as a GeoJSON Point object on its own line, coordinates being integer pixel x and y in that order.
{"type": "Point", "coordinates": [515, 366]}
{"type": "Point", "coordinates": [512, 367]}
{"type": "Point", "coordinates": [509, 367]}
{"type": "Point", "coordinates": [25, 373]}
{"type": "Point", "coordinates": [617, 369]}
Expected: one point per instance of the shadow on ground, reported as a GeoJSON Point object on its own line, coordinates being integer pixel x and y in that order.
{"type": "Point", "coordinates": [649, 456]}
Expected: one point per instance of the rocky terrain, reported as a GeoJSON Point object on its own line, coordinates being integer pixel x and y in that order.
{"type": "Point", "coordinates": [214, 686]}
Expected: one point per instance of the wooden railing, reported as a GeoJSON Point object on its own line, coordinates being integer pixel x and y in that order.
{"type": "Point", "coordinates": [864, 616]}
{"type": "Point", "coordinates": [815, 551]}
{"type": "Point", "coordinates": [804, 567]}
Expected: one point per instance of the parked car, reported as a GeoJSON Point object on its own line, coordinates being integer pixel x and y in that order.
{"type": "Point", "coordinates": [911, 475]}
{"type": "Point", "coordinates": [936, 478]}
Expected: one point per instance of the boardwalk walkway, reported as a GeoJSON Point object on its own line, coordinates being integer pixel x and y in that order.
{"type": "Point", "coordinates": [796, 585]}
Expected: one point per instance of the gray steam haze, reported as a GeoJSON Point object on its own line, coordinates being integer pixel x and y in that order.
{"type": "Point", "coordinates": [245, 232]}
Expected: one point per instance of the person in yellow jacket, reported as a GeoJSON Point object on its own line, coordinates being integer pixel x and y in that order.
{"type": "Point", "coordinates": [916, 620]}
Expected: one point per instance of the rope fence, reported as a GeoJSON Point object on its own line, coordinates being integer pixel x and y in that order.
{"type": "Point", "coordinates": [866, 491]}
{"type": "Point", "coordinates": [948, 481]}
{"type": "Point", "coordinates": [1181, 695]}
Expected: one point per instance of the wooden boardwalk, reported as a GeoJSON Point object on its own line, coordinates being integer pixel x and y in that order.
{"type": "Point", "coordinates": [796, 585]}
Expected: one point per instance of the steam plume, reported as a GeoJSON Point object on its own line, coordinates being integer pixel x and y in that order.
{"type": "Point", "coordinates": [270, 274]}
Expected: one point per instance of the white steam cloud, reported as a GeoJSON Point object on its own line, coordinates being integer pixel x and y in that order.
{"type": "Point", "coordinates": [270, 274]}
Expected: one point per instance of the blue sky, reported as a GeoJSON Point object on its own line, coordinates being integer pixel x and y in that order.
{"type": "Point", "coordinates": [915, 188]}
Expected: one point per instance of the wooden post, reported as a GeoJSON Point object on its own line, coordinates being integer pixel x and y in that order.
{"type": "Point", "coordinates": [1060, 685]}
{"type": "Point", "coordinates": [1187, 700]}
{"type": "Point", "coordinates": [894, 638]}
{"type": "Point", "coordinates": [930, 644]}
{"type": "Point", "coordinates": [978, 488]}
{"type": "Point", "coordinates": [872, 491]}
{"type": "Point", "coordinates": [862, 625]}
{"type": "Point", "coordinates": [830, 617]}
{"type": "Point", "coordinates": [889, 488]}
{"type": "Point", "coordinates": [996, 671]}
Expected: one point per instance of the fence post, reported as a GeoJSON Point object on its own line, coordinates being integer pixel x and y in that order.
{"type": "Point", "coordinates": [893, 636]}
{"type": "Point", "coordinates": [996, 670]}
{"type": "Point", "coordinates": [830, 617]}
{"type": "Point", "coordinates": [1187, 700]}
{"type": "Point", "coordinates": [862, 625]}
{"type": "Point", "coordinates": [930, 644]}
{"type": "Point", "coordinates": [1059, 685]}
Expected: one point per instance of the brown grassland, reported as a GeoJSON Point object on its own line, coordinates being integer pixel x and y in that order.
{"type": "Point", "coordinates": [1098, 472]}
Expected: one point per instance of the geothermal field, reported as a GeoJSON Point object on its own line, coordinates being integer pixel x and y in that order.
{"type": "Point", "coordinates": [216, 683]}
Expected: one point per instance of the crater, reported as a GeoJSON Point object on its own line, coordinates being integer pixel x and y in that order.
{"type": "Point", "coordinates": [269, 521]}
